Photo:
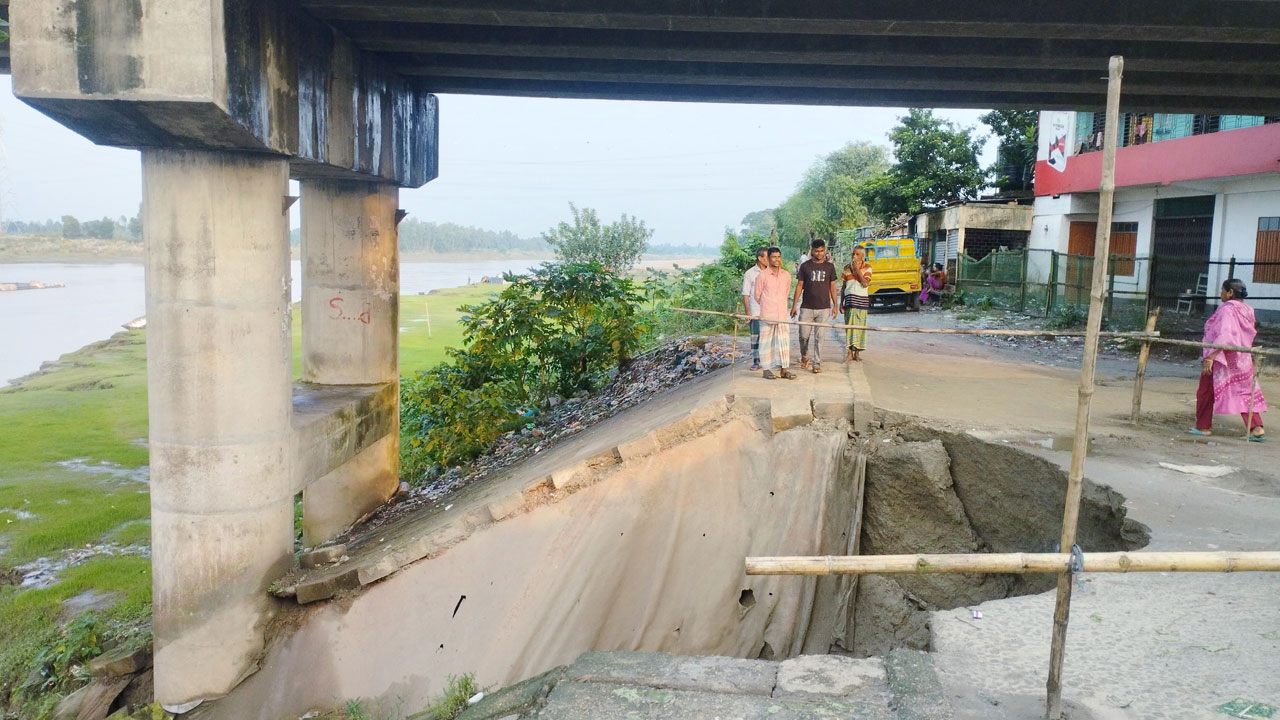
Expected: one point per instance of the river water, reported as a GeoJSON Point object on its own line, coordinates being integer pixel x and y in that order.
{"type": "Point", "coordinates": [40, 325]}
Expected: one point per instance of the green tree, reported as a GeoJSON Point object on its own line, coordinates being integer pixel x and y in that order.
{"type": "Point", "coordinates": [618, 245]}
{"type": "Point", "coordinates": [760, 222]}
{"type": "Point", "coordinates": [1015, 166]}
{"type": "Point", "coordinates": [71, 227]}
{"type": "Point", "coordinates": [935, 162]}
{"type": "Point", "coordinates": [827, 199]}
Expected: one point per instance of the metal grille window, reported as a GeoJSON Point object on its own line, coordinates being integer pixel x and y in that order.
{"type": "Point", "coordinates": [1267, 251]}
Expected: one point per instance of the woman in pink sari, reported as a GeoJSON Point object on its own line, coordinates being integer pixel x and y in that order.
{"type": "Point", "coordinates": [1226, 377]}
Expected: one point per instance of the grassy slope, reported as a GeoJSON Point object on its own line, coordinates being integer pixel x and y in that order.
{"type": "Point", "coordinates": [94, 406]}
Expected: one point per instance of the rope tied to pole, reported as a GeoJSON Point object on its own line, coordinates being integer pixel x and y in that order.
{"type": "Point", "coordinates": [1076, 568]}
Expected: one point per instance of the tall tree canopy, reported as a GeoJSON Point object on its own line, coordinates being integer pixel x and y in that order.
{"type": "Point", "coordinates": [935, 162]}
{"type": "Point", "coordinates": [827, 199]}
{"type": "Point", "coordinates": [618, 245]}
{"type": "Point", "coordinates": [1015, 166]}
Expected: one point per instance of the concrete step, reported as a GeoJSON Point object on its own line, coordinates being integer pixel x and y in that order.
{"type": "Point", "coordinates": [902, 686]}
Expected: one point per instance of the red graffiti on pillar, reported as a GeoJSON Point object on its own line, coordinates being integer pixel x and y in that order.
{"type": "Point", "coordinates": [335, 303]}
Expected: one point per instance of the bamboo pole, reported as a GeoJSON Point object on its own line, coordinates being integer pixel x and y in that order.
{"type": "Point", "coordinates": [934, 331]}
{"type": "Point", "coordinates": [1262, 352]}
{"type": "Point", "coordinates": [733, 361]}
{"type": "Point", "coordinates": [1088, 364]}
{"type": "Point", "coordinates": [1253, 393]}
{"type": "Point", "coordinates": [1143, 355]}
{"type": "Point", "coordinates": [1016, 563]}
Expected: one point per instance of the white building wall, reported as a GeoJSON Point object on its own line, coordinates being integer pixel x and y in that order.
{"type": "Point", "coordinates": [1239, 236]}
{"type": "Point", "coordinates": [1240, 201]}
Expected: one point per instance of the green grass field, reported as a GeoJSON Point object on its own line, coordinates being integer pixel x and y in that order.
{"type": "Point", "coordinates": [92, 410]}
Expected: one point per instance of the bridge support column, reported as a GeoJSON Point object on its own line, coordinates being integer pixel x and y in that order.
{"type": "Point", "coordinates": [350, 334]}
{"type": "Point", "coordinates": [219, 398]}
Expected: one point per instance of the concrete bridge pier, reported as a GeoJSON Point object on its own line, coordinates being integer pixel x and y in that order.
{"type": "Point", "coordinates": [218, 383]}
{"type": "Point", "coordinates": [350, 335]}
{"type": "Point", "coordinates": [227, 100]}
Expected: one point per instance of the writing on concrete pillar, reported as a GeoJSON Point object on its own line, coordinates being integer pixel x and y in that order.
{"type": "Point", "coordinates": [338, 311]}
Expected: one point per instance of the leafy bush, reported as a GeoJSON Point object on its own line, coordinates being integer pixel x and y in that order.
{"type": "Point", "coordinates": [1068, 317]}
{"type": "Point", "coordinates": [553, 332]}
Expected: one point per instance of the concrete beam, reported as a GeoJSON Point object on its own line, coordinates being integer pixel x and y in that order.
{"type": "Point", "coordinates": [332, 425]}
{"type": "Point", "coordinates": [1237, 21]}
{"type": "Point", "coordinates": [862, 50]}
{"type": "Point", "coordinates": [1084, 82]}
{"type": "Point", "coordinates": [224, 74]}
{"type": "Point", "coordinates": [218, 367]}
{"type": "Point", "coordinates": [790, 95]}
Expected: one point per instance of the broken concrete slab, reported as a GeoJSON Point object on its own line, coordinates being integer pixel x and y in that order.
{"type": "Point", "coordinates": [816, 676]}
{"type": "Point", "coordinates": [591, 701]}
{"type": "Point", "coordinates": [917, 694]}
{"type": "Point", "coordinates": [325, 587]}
{"type": "Point", "coordinates": [510, 701]}
{"type": "Point", "coordinates": [833, 409]}
{"type": "Point", "coordinates": [639, 448]}
{"type": "Point", "coordinates": [125, 660]}
{"type": "Point", "coordinates": [791, 412]}
{"type": "Point", "coordinates": [568, 476]}
{"type": "Point", "coordinates": [506, 506]}
{"type": "Point", "coordinates": [322, 556]}
{"type": "Point", "coordinates": [660, 670]}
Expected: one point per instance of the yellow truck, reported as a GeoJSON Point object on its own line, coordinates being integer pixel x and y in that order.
{"type": "Point", "coordinates": [895, 268]}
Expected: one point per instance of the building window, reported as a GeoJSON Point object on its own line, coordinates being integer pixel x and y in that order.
{"type": "Point", "coordinates": [1266, 254]}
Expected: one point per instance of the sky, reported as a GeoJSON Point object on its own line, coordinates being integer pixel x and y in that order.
{"type": "Point", "coordinates": [687, 169]}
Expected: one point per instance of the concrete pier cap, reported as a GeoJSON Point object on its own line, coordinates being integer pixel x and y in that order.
{"type": "Point", "coordinates": [228, 99]}
{"type": "Point", "coordinates": [224, 75]}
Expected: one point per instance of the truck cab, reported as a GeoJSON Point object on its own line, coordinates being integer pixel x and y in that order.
{"type": "Point", "coordinates": [895, 268]}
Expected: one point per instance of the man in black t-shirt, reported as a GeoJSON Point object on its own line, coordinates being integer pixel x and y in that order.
{"type": "Point", "coordinates": [814, 301]}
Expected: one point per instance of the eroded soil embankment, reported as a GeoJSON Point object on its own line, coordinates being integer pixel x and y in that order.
{"type": "Point", "coordinates": [646, 554]}
{"type": "Point", "coordinates": [929, 491]}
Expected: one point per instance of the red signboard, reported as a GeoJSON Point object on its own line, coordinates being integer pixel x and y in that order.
{"type": "Point", "coordinates": [1246, 151]}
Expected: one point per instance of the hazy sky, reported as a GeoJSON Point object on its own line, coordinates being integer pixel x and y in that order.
{"type": "Point", "coordinates": [686, 169]}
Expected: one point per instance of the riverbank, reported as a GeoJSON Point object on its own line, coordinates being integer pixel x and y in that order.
{"type": "Point", "coordinates": [75, 567]}
{"type": "Point", "coordinates": [46, 249]}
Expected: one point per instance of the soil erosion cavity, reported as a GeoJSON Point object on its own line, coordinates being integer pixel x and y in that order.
{"type": "Point", "coordinates": [641, 547]}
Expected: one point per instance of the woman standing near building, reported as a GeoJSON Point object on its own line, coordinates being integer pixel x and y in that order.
{"type": "Point", "coordinates": [1227, 383]}
{"type": "Point", "coordinates": [855, 299]}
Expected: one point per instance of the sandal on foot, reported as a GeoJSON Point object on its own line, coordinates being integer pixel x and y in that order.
{"type": "Point", "coordinates": [1257, 438]}
{"type": "Point", "coordinates": [817, 368]}
{"type": "Point", "coordinates": [768, 375]}
{"type": "Point", "coordinates": [754, 366]}
{"type": "Point", "coordinates": [1201, 433]}
{"type": "Point", "coordinates": [788, 374]}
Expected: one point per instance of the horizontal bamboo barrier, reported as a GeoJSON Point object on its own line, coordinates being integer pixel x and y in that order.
{"type": "Point", "coordinates": [936, 331]}
{"type": "Point", "coordinates": [1017, 563]}
{"type": "Point", "coordinates": [1214, 346]}
{"type": "Point", "coordinates": [1153, 336]}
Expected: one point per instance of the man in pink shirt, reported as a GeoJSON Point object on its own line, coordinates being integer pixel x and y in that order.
{"type": "Point", "coordinates": [773, 291]}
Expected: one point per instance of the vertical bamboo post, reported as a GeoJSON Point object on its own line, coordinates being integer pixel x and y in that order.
{"type": "Point", "coordinates": [1053, 284]}
{"type": "Point", "coordinates": [1022, 296]}
{"type": "Point", "coordinates": [1111, 284]}
{"type": "Point", "coordinates": [733, 360]}
{"type": "Point", "coordinates": [1143, 354]}
{"type": "Point", "coordinates": [1253, 393]}
{"type": "Point", "coordinates": [1151, 284]}
{"type": "Point", "coordinates": [1088, 364]}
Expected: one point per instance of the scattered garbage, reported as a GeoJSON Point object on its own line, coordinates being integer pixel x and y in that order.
{"type": "Point", "coordinates": [1208, 471]}
{"type": "Point", "coordinates": [475, 698]}
{"type": "Point", "coordinates": [652, 373]}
